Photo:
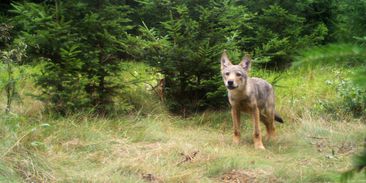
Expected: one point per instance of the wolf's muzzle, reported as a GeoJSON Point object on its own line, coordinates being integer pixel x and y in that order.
{"type": "Point", "coordinates": [230, 85]}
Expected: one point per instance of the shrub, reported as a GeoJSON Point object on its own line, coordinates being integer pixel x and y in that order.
{"type": "Point", "coordinates": [185, 40]}
{"type": "Point", "coordinates": [352, 99]}
{"type": "Point", "coordinates": [81, 45]}
{"type": "Point", "coordinates": [187, 47]}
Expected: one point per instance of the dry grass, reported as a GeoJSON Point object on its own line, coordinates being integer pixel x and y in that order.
{"type": "Point", "coordinates": [150, 149]}
{"type": "Point", "coordinates": [153, 146]}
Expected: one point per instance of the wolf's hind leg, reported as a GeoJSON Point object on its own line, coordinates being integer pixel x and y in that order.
{"type": "Point", "coordinates": [268, 121]}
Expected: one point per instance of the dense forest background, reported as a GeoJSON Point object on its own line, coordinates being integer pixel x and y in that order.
{"type": "Point", "coordinates": [81, 44]}
{"type": "Point", "coordinates": [79, 81]}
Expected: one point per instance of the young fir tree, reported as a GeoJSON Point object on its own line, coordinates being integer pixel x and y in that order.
{"type": "Point", "coordinates": [102, 27]}
{"type": "Point", "coordinates": [281, 28]}
{"type": "Point", "coordinates": [81, 44]}
{"type": "Point", "coordinates": [186, 46]}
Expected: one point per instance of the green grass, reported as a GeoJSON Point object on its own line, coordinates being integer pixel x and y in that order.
{"type": "Point", "coordinates": [113, 150]}
{"type": "Point", "coordinates": [311, 146]}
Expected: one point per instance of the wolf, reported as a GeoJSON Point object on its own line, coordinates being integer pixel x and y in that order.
{"type": "Point", "coordinates": [250, 95]}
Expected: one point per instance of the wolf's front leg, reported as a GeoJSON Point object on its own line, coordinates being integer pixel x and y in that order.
{"type": "Point", "coordinates": [235, 115]}
{"type": "Point", "coordinates": [257, 137]}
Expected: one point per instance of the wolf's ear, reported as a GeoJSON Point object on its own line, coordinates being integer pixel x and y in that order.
{"type": "Point", "coordinates": [245, 63]}
{"type": "Point", "coordinates": [224, 60]}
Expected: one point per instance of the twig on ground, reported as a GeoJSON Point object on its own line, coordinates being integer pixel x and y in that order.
{"type": "Point", "coordinates": [315, 137]}
{"type": "Point", "coordinates": [188, 157]}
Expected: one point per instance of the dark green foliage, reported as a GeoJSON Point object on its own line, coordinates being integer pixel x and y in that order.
{"type": "Point", "coordinates": [350, 21]}
{"type": "Point", "coordinates": [102, 33]}
{"type": "Point", "coordinates": [281, 28]}
{"type": "Point", "coordinates": [81, 44]}
{"type": "Point", "coordinates": [187, 38]}
{"type": "Point", "coordinates": [51, 40]}
{"type": "Point", "coordinates": [186, 48]}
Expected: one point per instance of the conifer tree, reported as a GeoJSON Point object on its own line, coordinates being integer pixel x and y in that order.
{"type": "Point", "coordinates": [81, 44]}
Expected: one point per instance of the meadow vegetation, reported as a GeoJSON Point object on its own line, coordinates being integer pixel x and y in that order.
{"type": "Point", "coordinates": [150, 144]}
{"type": "Point", "coordinates": [79, 83]}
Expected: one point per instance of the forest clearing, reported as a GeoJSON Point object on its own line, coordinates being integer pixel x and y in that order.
{"type": "Point", "coordinates": [131, 91]}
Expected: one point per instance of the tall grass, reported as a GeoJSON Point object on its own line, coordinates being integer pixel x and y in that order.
{"type": "Point", "coordinates": [87, 149]}
{"type": "Point", "coordinates": [148, 144]}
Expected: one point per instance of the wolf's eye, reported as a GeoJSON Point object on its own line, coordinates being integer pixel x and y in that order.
{"type": "Point", "coordinates": [238, 74]}
{"type": "Point", "coordinates": [227, 73]}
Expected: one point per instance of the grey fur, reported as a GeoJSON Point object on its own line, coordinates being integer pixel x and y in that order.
{"type": "Point", "coordinates": [250, 95]}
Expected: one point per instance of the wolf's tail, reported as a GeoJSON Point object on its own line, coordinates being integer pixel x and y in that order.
{"type": "Point", "coordinates": [278, 118]}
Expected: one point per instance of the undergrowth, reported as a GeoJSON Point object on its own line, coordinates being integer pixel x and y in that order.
{"type": "Point", "coordinates": [149, 144]}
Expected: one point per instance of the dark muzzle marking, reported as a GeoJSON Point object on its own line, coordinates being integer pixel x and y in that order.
{"type": "Point", "coordinates": [231, 87]}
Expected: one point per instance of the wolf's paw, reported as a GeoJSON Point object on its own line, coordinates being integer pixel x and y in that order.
{"type": "Point", "coordinates": [236, 140]}
{"type": "Point", "coordinates": [259, 145]}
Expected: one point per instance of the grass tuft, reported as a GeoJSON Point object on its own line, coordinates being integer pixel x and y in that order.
{"type": "Point", "coordinates": [149, 144]}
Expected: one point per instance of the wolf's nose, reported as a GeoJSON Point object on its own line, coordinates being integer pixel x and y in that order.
{"type": "Point", "coordinates": [230, 83]}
